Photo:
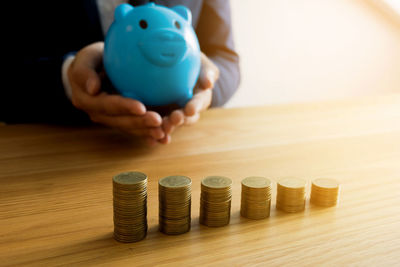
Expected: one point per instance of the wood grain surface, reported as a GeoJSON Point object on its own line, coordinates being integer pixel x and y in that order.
{"type": "Point", "coordinates": [56, 190]}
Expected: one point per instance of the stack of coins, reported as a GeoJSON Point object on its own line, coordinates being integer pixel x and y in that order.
{"type": "Point", "coordinates": [256, 198]}
{"type": "Point", "coordinates": [291, 194]}
{"type": "Point", "coordinates": [174, 195]}
{"type": "Point", "coordinates": [130, 206]}
{"type": "Point", "coordinates": [215, 201]}
{"type": "Point", "coordinates": [324, 192]}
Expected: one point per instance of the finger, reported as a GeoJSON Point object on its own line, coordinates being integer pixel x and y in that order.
{"type": "Point", "coordinates": [166, 140]}
{"type": "Point", "coordinates": [164, 127]}
{"type": "Point", "coordinates": [153, 133]}
{"type": "Point", "coordinates": [107, 104]}
{"type": "Point", "coordinates": [136, 125]}
{"type": "Point", "coordinates": [206, 79]}
{"type": "Point", "coordinates": [93, 85]}
{"type": "Point", "coordinates": [177, 117]}
{"type": "Point", "coordinates": [92, 55]}
{"type": "Point", "coordinates": [126, 123]}
{"type": "Point", "coordinates": [84, 78]}
{"type": "Point", "coordinates": [156, 133]}
{"type": "Point", "coordinates": [200, 102]}
{"type": "Point", "coordinates": [192, 119]}
{"type": "Point", "coordinates": [85, 66]}
{"type": "Point", "coordinates": [209, 73]}
{"type": "Point", "coordinates": [153, 119]}
{"type": "Point", "coordinates": [167, 126]}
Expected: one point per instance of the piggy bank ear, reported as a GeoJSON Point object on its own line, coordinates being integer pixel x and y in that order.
{"type": "Point", "coordinates": [184, 12]}
{"type": "Point", "coordinates": [121, 11]}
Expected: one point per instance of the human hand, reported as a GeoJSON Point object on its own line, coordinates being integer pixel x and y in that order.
{"type": "Point", "coordinates": [85, 75]}
{"type": "Point", "coordinates": [200, 101]}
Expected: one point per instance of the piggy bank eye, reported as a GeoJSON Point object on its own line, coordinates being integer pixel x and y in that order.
{"type": "Point", "coordinates": [143, 24]}
{"type": "Point", "coordinates": [177, 25]}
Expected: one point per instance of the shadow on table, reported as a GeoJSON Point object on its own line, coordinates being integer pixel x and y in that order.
{"type": "Point", "coordinates": [101, 248]}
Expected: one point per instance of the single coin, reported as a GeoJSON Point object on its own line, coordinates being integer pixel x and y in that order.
{"type": "Point", "coordinates": [256, 182]}
{"type": "Point", "coordinates": [175, 181]}
{"type": "Point", "coordinates": [129, 238]}
{"type": "Point", "coordinates": [130, 178]}
{"type": "Point", "coordinates": [216, 182]}
{"type": "Point", "coordinates": [326, 183]}
{"type": "Point", "coordinates": [292, 182]}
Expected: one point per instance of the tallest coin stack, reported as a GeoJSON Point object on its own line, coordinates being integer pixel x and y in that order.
{"type": "Point", "coordinates": [130, 206]}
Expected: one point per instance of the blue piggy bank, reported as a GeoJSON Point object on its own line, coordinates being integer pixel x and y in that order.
{"type": "Point", "coordinates": [151, 53]}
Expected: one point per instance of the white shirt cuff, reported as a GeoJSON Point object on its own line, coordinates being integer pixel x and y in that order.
{"type": "Point", "coordinates": [64, 74]}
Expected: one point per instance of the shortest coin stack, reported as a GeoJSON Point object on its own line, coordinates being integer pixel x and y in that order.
{"type": "Point", "coordinates": [256, 198]}
{"type": "Point", "coordinates": [215, 201]}
{"type": "Point", "coordinates": [174, 195]}
{"type": "Point", "coordinates": [324, 192]}
{"type": "Point", "coordinates": [291, 194]}
{"type": "Point", "coordinates": [130, 206]}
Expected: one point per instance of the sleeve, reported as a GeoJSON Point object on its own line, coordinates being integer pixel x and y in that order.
{"type": "Point", "coordinates": [64, 74]}
{"type": "Point", "coordinates": [214, 32]}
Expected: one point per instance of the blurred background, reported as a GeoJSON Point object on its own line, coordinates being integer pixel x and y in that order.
{"type": "Point", "coordinates": [307, 50]}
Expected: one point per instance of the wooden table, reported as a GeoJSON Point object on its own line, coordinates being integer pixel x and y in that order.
{"type": "Point", "coordinates": [56, 191]}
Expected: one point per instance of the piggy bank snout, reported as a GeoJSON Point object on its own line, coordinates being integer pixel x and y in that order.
{"type": "Point", "coordinates": [163, 47]}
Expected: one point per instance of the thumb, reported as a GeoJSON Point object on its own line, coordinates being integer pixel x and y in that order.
{"type": "Point", "coordinates": [207, 79]}
{"type": "Point", "coordinates": [93, 84]}
{"type": "Point", "coordinates": [87, 62]}
{"type": "Point", "coordinates": [86, 78]}
{"type": "Point", "coordinates": [209, 73]}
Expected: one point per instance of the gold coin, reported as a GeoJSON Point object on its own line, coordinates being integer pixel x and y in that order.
{"type": "Point", "coordinates": [292, 183]}
{"type": "Point", "coordinates": [256, 182]}
{"type": "Point", "coordinates": [130, 178]}
{"type": "Point", "coordinates": [216, 182]}
{"type": "Point", "coordinates": [324, 192]}
{"type": "Point", "coordinates": [290, 209]}
{"type": "Point", "coordinates": [174, 229]}
{"type": "Point", "coordinates": [174, 195]}
{"type": "Point", "coordinates": [130, 206]}
{"type": "Point", "coordinates": [215, 201]}
{"type": "Point", "coordinates": [175, 181]}
{"type": "Point", "coordinates": [291, 194]}
{"type": "Point", "coordinates": [174, 226]}
{"type": "Point", "coordinates": [214, 223]}
{"type": "Point", "coordinates": [325, 183]}
{"type": "Point", "coordinates": [130, 238]}
{"type": "Point", "coordinates": [256, 198]}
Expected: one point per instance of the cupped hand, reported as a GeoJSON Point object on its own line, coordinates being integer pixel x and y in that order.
{"type": "Point", "coordinates": [85, 75]}
{"type": "Point", "coordinates": [200, 101]}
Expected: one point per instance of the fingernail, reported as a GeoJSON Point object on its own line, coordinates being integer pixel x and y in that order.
{"type": "Point", "coordinates": [157, 134]}
{"type": "Point", "coordinates": [166, 140]}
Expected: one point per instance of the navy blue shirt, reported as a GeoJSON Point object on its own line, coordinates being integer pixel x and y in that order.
{"type": "Point", "coordinates": [42, 32]}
